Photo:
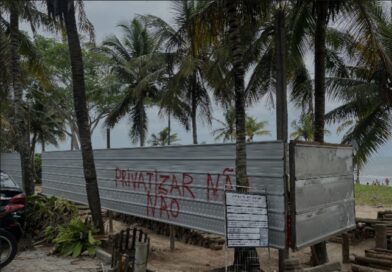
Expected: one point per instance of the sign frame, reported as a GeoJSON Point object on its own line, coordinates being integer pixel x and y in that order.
{"type": "Point", "coordinates": [335, 173]}
{"type": "Point", "coordinates": [257, 242]}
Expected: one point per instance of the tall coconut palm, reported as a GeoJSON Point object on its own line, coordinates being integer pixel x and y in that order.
{"type": "Point", "coordinates": [185, 43]}
{"type": "Point", "coordinates": [28, 65]}
{"type": "Point", "coordinates": [281, 73]}
{"type": "Point", "coordinates": [137, 68]}
{"type": "Point", "coordinates": [163, 138]}
{"type": "Point", "coordinates": [64, 11]}
{"type": "Point", "coordinates": [304, 128]}
{"type": "Point", "coordinates": [367, 93]}
{"type": "Point", "coordinates": [313, 17]}
{"type": "Point", "coordinates": [227, 130]}
{"type": "Point", "coordinates": [253, 128]}
{"type": "Point", "coordinates": [22, 129]}
{"type": "Point", "coordinates": [231, 19]}
{"type": "Point", "coordinates": [47, 123]}
{"type": "Point", "coordinates": [171, 103]}
{"type": "Point", "coordinates": [242, 254]}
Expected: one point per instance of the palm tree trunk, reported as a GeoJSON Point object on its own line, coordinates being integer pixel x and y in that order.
{"type": "Point", "coordinates": [319, 251]}
{"type": "Point", "coordinates": [168, 126]}
{"type": "Point", "coordinates": [194, 109]}
{"type": "Point", "coordinates": [42, 146]}
{"type": "Point", "coordinates": [142, 122]}
{"type": "Point", "coordinates": [3, 72]}
{"type": "Point", "coordinates": [79, 95]}
{"type": "Point", "coordinates": [108, 138]}
{"type": "Point", "coordinates": [22, 129]}
{"type": "Point", "coordinates": [244, 258]}
{"type": "Point", "coordinates": [358, 180]}
{"type": "Point", "coordinates": [319, 68]}
{"type": "Point", "coordinates": [32, 155]}
{"type": "Point", "coordinates": [281, 94]}
{"type": "Point", "coordinates": [281, 83]}
{"type": "Point", "coordinates": [74, 137]}
{"type": "Point", "coordinates": [72, 141]}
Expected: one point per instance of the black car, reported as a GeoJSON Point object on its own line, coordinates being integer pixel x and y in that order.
{"type": "Point", "coordinates": [12, 205]}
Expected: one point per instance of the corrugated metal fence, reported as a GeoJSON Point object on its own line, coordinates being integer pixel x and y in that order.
{"type": "Point", "coordinates": [180, 185]}
{"type": "Point", "coordinates": [184, 185]}
{"type": "Point", "coordinates": [10, 163]}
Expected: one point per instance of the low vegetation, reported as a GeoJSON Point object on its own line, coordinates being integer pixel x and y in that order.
{"type": "Point", "coordinates": [76, 238]}
{"type": "Point", "coordinates": [56, 220]}
{"type": "Point", "coordinates": [43, 212]}
{"type": "Point", "coordinates": [373, 195]}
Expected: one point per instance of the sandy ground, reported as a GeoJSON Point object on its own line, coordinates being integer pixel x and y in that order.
{"type": "Point", "coordinates": [38, 260]}
{"type": "Point", "coordinates": [193, 258]}
{"type": "Point", "coordinates": [184, 258]}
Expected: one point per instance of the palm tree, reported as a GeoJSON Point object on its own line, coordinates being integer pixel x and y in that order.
{"type": "Point", "coordinates": [303, 129]}
{"type": "Point", "coordinates": [170, 101]}
{"type": "Point", "coordinates": [47, 123]}
{"type": "Point", "coordinates": [241, 255]}
{"type": "Point", "coordinates": [185, 45]}
{"type": "Point", "coordinates": [22, 132]}
{"type": "Point", "coordinates": [281, 73]}
{"type": "Point", "coordinates": [232, 20]}
{"type": "Point", "coordinates": [12, 48]}
{"type": "Point", "coordinates": [323, 11]}
{"type": "Point", "coordinates": [366, 93]}
{"type": "Point", "coordinates": [163, 138]}
{"type": "Point", "coordinates": [137, 68]}
{"type": "Point", "coordinates": [254, 128]}
{"type": "Point", "coordinates": [64, 11]}
{"type": "Point", "coordinates": [227, 129]}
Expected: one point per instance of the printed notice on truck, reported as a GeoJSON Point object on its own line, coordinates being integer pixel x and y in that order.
{"type": "Point", "coordinates": [246, 220]}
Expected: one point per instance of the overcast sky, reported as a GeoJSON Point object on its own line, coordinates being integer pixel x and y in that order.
{"type": "Point", "coordinates": [105, 15]}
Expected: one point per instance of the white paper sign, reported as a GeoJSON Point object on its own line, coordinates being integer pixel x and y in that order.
{"type": "Point", "coordinates": [246, 220]}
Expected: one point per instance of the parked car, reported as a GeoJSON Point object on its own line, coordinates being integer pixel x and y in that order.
{"type": "Point", "coordinates": [12, 209]}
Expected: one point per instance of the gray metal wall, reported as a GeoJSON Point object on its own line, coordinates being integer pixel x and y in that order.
{"type": "Point", "coordinates": [180, 185]}
{"type": "Point", "coordinates": [323, 185]}
{"type": "Point", "coordinates": [10, 163]}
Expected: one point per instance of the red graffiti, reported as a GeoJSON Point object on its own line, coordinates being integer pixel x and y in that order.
{"type": "Point", "coordinates": [164, 190]}
{"type": "Point", "coordinates": [160, 203]}
{"type": "Point", "coordinates": [214, 187]}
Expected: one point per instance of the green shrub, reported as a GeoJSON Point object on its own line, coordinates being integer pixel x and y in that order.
{"type": "Point", "coordinates": [47, 212]}
{"type": "Point", "coordinates": [76, 238]}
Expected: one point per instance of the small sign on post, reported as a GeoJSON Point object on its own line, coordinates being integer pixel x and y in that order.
{"type": "Point", "coordinates": [246, 220]}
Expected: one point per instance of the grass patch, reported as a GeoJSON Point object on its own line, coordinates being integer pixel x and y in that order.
{"type": "Point", "coordinates": [373, 195]}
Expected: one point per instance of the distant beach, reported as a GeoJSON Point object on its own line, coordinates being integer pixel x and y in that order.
{"type": "Point", "coordinates": [378, 168]}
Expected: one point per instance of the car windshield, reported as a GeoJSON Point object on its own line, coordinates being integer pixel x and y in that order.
{"type": "Point", "coordinates": [6, 181]}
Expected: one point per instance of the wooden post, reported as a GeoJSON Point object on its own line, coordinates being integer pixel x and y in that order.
{"type": "Point", "coordinates": [328, 267]}
{"type": "Point", "coordinates": [133, 239]}
{"type": "Point", "coordinates": [283, 255]}
{"type": "Point", "coordinates": [127, 239]}
{"type": "Point", "coordinates": [345, 248]}
{"type": "Point", "coordinates": [121, 240]}
{"type": "Point", "coordinates": [110, 215]}
{"type": "Point", "coordinates": [381, 236]}
{"type": "Point", "coordinates": [373, 261]}
{"type": "Point", "coordinates": [360, 268]}
{"type": "Point", "coordinates": [172, 237]}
